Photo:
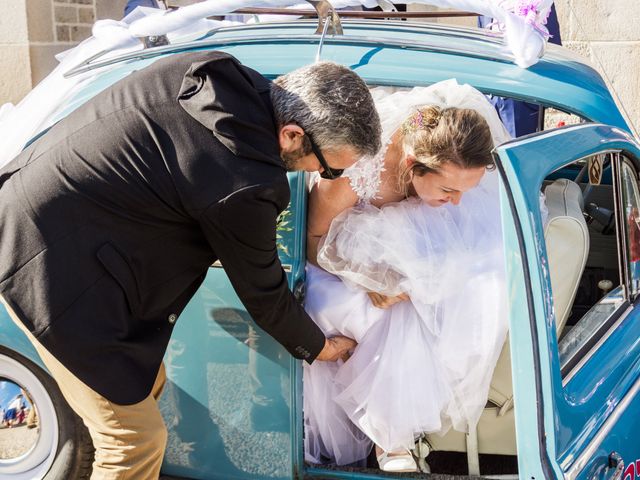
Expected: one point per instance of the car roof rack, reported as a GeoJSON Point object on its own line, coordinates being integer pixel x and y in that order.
{"type": "Point", "coordinates": [328, 23]}
{"type": "Point", "coordinates": [329, 18]}
{"type": "Point", "coordinates": [324, 11]}
{"type": "Point", "coordinates": [356, 13]}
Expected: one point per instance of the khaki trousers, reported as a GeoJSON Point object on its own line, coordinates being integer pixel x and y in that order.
{"type": "Point", "coordinates": [129, 439]}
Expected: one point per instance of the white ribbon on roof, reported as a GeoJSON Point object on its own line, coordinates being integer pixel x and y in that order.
{"type": "Point", "coordinates": [522, 21]}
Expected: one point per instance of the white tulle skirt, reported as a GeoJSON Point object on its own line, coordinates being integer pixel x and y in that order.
{"type": "Point", "coordinates": [421, 366]}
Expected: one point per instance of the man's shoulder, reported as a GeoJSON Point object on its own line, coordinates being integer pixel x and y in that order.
{"type": "Point", "coordinates": [206, 63]}
{"type": "Point", "coordinates": [163, 79]}
{"type": "Point", "coordinates": [187, 59]}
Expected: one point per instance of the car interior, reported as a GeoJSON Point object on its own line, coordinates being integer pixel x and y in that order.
{"type": "Point", "coordinates": [577, 205]}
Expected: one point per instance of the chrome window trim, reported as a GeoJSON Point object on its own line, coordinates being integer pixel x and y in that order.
{"type": "Point", "coordinates": [571, 472]}
{"type": "Point", "coordinates": [621, 233]}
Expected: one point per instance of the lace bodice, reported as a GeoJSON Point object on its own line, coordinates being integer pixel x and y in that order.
{"type": "Point", "coordinates": [365, 176]}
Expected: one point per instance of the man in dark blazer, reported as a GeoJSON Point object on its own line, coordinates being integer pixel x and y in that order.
{"type": "Point", "coordinates": [110, 221]}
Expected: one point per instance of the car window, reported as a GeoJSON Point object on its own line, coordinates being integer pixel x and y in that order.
{"type": "Point", "coordinates": [583, 242]}
{"type": "Point", "coordinates": [554, 118]}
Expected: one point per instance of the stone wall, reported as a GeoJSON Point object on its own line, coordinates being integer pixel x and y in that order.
{"type": "Point", "coordinates": [608, 34]}
{"type": "Point", "coordinates": [15, 70]}
{"type": "Point", "coordinates": [73, 19]}
{"type": "Point", "coordinates": [32, 32]}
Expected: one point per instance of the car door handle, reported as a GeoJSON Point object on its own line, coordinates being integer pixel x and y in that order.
{"type": "Point", "coordinates": [616, 465]}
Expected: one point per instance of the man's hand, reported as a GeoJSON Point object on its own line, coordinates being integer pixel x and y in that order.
{"type": "Point", "coordinates": [383, 301]}
{"type": "Point", "coordinates": [335, 348]}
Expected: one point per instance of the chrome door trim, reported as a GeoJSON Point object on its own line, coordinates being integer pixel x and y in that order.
{"type": "Point", "coordinates": [578, 465]}
{"type": "Point", "coordinates": [285, 266]}
{"type": "Point", "coordinates": [621, 233]}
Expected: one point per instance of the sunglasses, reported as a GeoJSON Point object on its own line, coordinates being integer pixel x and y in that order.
{"type": "Point", "coordinates": [328, 173]}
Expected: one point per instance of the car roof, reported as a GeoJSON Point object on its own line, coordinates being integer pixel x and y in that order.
{"type": "Point", "coordinates": [408, 54]}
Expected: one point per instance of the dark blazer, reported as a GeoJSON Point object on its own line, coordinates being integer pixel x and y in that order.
{"type": "Point", "coordinates": [109, 222]}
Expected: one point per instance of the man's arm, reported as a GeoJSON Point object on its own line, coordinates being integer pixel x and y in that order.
{"type": "Point", "coordinates": [242, 232]}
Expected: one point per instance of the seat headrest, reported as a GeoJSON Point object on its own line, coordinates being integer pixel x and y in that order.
{"type": "Point", "coordinates": [564, 198]}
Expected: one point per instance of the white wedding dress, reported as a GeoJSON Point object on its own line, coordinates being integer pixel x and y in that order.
{"type": "Point", "coordinates": [424, 365]}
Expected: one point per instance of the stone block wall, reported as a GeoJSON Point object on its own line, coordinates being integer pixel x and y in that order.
{"type": "Point", "coordinates": [15, 70]}
{"type": "Point", "coordinates": [32, 32]}
{"type": "Point", "coordinates": [73, 19]}
{"type": "Point", "coordinates": [607, 33]}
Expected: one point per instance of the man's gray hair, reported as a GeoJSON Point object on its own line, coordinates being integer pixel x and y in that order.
{"type": "Point", "coordinates": [331, 104]}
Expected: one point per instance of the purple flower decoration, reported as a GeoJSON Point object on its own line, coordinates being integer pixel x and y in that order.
{"type": "Point", "coordinates": [417, 122]}
{"type": "Point", "coordinates": [529, 10]}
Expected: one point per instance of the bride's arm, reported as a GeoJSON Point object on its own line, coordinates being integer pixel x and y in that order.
{"type": "Point", "coordinates": [327, 199]}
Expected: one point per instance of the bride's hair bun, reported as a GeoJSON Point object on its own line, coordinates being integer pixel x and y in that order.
{"type": "Point", "coordinates": [425, 118]}
{"type": "Point", "coordinates": [436, 135]}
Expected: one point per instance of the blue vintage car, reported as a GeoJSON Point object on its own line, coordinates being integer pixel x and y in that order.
{"type": "Point", "coordinates": [565, 397]}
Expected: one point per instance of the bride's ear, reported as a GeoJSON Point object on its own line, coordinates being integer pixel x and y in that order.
{"type": "Point", "coordinates": [409, 161]}
{"type": "Point", "coordinates": [290, 137]}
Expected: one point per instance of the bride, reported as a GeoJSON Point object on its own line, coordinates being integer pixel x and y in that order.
{"type": "Point", "coordinates": [410, 246]}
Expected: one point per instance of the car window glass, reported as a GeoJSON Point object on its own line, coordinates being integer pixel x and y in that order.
{"type": "Point", "coordinates": [582, 248]}
{"type": "Point", "coordinates": [583, 332]}
{"type": "Point", "coordinates": [554, 118]}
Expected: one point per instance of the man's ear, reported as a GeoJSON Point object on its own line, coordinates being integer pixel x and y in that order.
{"type": "Point", "coordinates": [290, 137]}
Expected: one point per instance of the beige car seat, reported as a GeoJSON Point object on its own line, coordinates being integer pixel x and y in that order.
{"type": "Point", "coordinates": [567, 239]}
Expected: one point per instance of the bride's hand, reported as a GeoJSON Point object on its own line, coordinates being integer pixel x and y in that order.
{"type": "Point", "coordinates": [383, 301]}
{"type": "Point", "coordinates": [335, 348]}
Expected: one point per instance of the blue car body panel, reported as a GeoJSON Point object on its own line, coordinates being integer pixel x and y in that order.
{"type": "Point", "coordinates": [12, 337]}
{"type": "Point", "coordinates": [233, 404]}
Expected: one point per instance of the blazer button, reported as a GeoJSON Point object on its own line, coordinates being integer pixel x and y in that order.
{"type": "Point", "coordinates": [172, 318]}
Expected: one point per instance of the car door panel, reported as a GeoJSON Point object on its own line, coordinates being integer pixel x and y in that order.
{"type": "Point", "coordinates": [590, 409]}
{"type": "Point", "coordinates": [245, 404]}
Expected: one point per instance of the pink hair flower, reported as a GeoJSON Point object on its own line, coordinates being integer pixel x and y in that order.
{"type": "Point", "coordinates": [417, 121]}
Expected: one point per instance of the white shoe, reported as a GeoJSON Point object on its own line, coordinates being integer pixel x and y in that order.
{"type": "Point", "coordinates": [397, 462]}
